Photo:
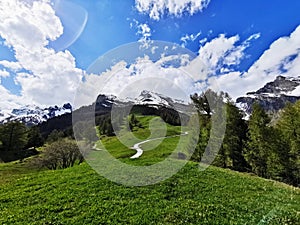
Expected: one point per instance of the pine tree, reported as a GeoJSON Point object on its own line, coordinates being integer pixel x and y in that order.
{"type": "Point", "coordinates": [13, 136]}
{"type": "Point", "coordinates": [211, 110]}
{"type": "Point", "coordinates": [35, 138]}
{"type": "Point", "coordinates": [231, 152]}
{"type": "Point", "coordinates": [133, 122]}
{"type": "Point", "coordinates": [289, 126]}
{"type": "Point", "coordinates": [258, 146]}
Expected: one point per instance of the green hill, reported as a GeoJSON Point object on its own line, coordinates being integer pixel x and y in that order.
{"type": "Point", "coordinates": [79, 195]}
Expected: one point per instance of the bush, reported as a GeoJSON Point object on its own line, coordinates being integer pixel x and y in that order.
{"type": "Point", "coordinates": [60, 154]}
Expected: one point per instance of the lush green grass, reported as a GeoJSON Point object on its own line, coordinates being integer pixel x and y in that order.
{"type": "Point", "coordinates": [79, 195]}
{"type": "Point", "coordinates": [154, 151]}
{"type": "Point", "coordinates": [11, 171]}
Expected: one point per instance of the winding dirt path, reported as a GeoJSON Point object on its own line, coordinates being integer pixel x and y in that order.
{"type": "Point", "coordinates": [140, 151]}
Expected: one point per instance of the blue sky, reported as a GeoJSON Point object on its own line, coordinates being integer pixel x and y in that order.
{"type": "Point", "coordinates": [108, 25]}
{"type": "Point", "coordinates": [84, 30]}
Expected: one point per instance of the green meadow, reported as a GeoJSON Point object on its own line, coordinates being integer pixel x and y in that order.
{"type": "Point", "coordinates": [79, 195]}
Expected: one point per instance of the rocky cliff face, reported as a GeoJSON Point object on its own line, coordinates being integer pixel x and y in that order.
{"type": "Point", "coordinates": [273, 96]}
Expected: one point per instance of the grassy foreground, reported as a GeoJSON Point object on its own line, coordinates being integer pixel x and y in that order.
{"type": "Point", "coordinates": [79, 195]}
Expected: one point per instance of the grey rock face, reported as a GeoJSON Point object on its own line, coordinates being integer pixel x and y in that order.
{"type": "Point", "coordinates": [273, 96]}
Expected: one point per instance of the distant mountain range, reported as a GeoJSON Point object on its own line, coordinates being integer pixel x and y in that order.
{"type": "Point", "coordinates": [32, 114]}
{"type": "Point", "coordinates": [272, 97]}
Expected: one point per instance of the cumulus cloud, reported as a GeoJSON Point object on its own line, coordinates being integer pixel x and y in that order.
{"type": "Point", "coordinates": [157, 8]}
{"type": "Point", "coordinates": [129, 80]}
{"type": "Point", "coordinates": [27, 27]}
{"type": "Point", "coordinates": [192, 75]}
{"type": "Point", "coordinates": [221, 54]}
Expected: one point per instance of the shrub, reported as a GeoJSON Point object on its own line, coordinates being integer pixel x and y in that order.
{"type": "Point", "coordinates": [60, 154]}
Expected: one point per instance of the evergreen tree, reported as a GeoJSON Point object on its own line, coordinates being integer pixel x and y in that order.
{"type": "Point", "coordinates": [110, 129]}
{"type": "Point", "coordinates": [133, 122]}
{"type": "Point", "coordinates": [277, 160]}
{"type": "Point", "coordinates": [258, 146]}
{"type": "Point", "coordinates": [231, 152]}
{"type": "Point", "coordinates": [289, 126]}
{"type": "Point", "coordinates": [13, 136]}
{"type": "Point", "coordinates": [204, 133]}
{"type": "Point", "coordinates": [209, 106]}
{"type": "Point", "coordinates": [35, 138]}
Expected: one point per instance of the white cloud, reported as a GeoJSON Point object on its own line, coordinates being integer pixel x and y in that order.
{"type": "Point", "coordinates": [218, 54]}
{"type": "Point", "coordinates": [189, 38]}
{"type": "Point", "coordinates": [222, 53]}
{"type": "Point", "coordinates": [157, 8]}
{"type": "Point", "coordinates": [214, 52]}
{"type": "Point", "coordinates": [27, 26]}
{"type": "Point", "coordinates": [144, 31]}
{"type": "Point", "coordinates": [203, 41]}
{"type": "Point", "coordinates": [282, 58]}
{"type": "Point", "coordinates": [4, 73]}
{"type": "Point", "coordinates": [125, 80]}
{"type": "Point", "coordinates": [278, 54]}
{"type": "Point", "coordinates": [10, 101]}
{"type": "Point", "coordinates": [13, 66]}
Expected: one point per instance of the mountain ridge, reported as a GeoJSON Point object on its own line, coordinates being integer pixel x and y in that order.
{"type": "Point", "coordinates": [273, 96]}
{"type": "Point", "coordinates": [33, 114]}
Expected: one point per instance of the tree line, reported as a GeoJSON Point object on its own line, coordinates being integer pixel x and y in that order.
{"type": "Point", "coordinates": [261, 146]}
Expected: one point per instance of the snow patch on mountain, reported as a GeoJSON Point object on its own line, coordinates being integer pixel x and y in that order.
{"type": "Point", "coordinates": [148, 97]}
{"type": "Point", "coordinates": [295, 92]}
{"type": "Point", "coordinates": [32, 114]}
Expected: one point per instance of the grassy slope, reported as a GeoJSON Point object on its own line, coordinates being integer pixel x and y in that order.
{"type": "Point", "coordinates": [80, 196]}
{"type": "Point", "coordinates": [154, 151]}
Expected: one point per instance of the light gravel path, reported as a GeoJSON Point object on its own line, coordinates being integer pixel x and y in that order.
{"type": "Point", "coordinates": [140, 151]}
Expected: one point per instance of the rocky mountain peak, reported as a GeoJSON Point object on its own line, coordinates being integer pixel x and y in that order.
{"type": "Point", "coordinates": [273, 96]}
{"type": "Point", "coordinates": [281, 85]}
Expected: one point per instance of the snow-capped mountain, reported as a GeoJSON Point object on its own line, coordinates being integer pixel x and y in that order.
{"type": "Point", "coordinates": [273, 96]}
{"type": "Point", "coordinates": [146, 98]}
{"type": "Point", "coordinates": [152, 98]}
{"type": "Point", "coordinates": [33, 115]}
